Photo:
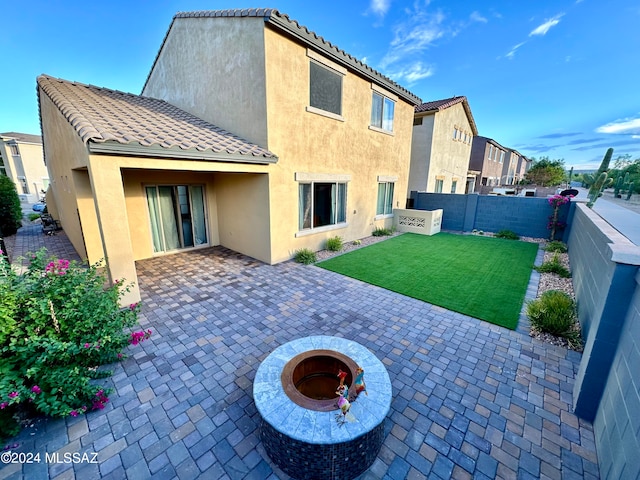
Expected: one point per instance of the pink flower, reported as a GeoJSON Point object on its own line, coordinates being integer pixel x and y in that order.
{"type": "Point", "coordinates": [36, 389]}
{"type": "Point", "coordinates": [74, 413]}
{"type": "Point", "coordinates": [13, 394]}
{"type": "Point", "coordinates": [87, 345]}
{"type": "Point", "coordinates": [3, 405]}
{"type": "Point", "coordinates": [133, 306]}
{"type": "Point", "coordinates": [120, 356]}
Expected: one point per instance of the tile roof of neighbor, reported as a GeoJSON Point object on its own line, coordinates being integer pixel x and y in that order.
{"type": "Point", "coordinates": [439, 105]}
{"type": "Point", "coordinates": [23, 137]}
{"type": "Point", "coordinates": [101, 115]}
{"type": "Point", "coordinates": [285, 24]}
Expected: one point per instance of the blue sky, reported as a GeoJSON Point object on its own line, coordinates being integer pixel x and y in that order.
{"type": "Point", "coordinates": [550, 77]}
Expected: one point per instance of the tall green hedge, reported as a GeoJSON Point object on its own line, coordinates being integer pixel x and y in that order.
{"type": "Point", "coordinates": [10, 210]}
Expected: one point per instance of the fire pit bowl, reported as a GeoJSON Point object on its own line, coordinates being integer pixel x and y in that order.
{"type": "Point", "coordinates": [303, 431]}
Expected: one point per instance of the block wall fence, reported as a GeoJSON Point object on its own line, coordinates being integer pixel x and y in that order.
{"type": "Point", "coordinates": [526, 216]}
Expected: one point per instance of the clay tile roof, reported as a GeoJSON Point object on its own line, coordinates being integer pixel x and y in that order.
{"type": "Point", "coordinates": [439, 105]}
{"type": "Point", "coordinates": [101, 115]}
{"type": "Point", "coordinates": [302, 34]}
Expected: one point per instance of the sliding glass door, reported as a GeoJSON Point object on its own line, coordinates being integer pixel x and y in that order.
{"type": "Point", "coordinates": [177, 216]}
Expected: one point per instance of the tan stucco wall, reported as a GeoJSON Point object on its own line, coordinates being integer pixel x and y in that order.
{"type": "Point", "coordinates": [214, 69]}
{"type": "Point", "coordinates": [421, 147]}
{"type": "Point", "coordinates": [33, 165]}
{"type": "Point", "coordinates": [306, 142]}
{"type": "Point", "coordinates": [64, 152]}
{"type": "Point", "coordinates": [444, 157]}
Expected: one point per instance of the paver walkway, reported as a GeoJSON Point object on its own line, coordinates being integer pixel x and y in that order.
{"type": "Point", "coordinates": [470, 399]}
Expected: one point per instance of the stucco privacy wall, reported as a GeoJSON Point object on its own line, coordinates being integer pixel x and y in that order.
{"type": "Point", "coordinates": [525, 216]}
{"type": "Point", "coordinates": [66, 152]}
{"type": "Point", "coordinates": [311, 143]}
{"type": "Point", "coordinates": [607, 387]}
{"type": "Point", "coordinates": [421, 146]}
{"type": "Point", "coordinates": [214, 68]}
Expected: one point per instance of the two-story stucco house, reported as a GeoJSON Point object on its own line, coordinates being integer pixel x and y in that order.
{"type": "Point", "coordinates": [487, 157]}
{"type": "Point", "coordinates": [21, 160]}
{"type": "Point", "coordinates": [251, 132]}
{"type": "Point", "coordinates": [443, 132]}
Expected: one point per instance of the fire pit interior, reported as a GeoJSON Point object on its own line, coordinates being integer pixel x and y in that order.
{"type": "Point", "coordinates": [310, 379]}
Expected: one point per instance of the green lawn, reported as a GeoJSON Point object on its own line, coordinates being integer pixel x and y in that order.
{"type": "Point", "coordinates": [482, 277]}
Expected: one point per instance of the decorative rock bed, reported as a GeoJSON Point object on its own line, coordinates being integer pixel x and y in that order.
{"type": "Point", "coordinates": [305, 441]}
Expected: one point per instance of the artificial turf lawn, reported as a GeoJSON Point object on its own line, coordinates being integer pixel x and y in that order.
{"type": "Point", "coordinates": [482, 277]}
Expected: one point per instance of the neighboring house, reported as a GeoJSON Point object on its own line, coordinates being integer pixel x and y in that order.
{"type": "Point", "coordinates": [443, 131]}
{"type": "Point", "coordinates": [514, 168]}
{"type": "Point", "coordinates": [524, 164]}
{"type": "Point", "coordinates": [320, 146]}
{"type": "Point", "coordinates": [487, 157]}
{"type": "Point", "coordinates": [22, 161]}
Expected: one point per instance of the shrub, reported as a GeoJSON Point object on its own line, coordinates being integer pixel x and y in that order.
{"type": "Point", "coordinates": [554, 266]}
{"type": "Point", "coordinates": [33, 216]}
{"type": "Point", "coordinates": [382, 232]}
{"type": "Point", "coordinates": [58, 324]}
{"type": "Point", "coordinates": [508, 234]}
{"type": "Point", "coordinates": [357, 242]}
{"type": "Point", "coordinates": [556, 246]}
{"type": "Point", "coordinates": [555, 313]}
{"type": "Point", "coordinates": [10, 209]}
{"type": "Point", "coordinates": [306, 256]}
{"type": "Point", "coordinates": [334, 244]}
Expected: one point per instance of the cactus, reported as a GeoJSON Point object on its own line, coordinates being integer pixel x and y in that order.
{"type": "Point", "coordinates": [618, 186]}
{"type": "Point", "coordinates": [632, 187]}
{"type": "Point", "coordinates": [599, 184]}
{"type": "Point", "coordinates": [589, 179]}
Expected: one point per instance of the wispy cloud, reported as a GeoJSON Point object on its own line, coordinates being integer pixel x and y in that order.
{"type": "Point", "coordinates": [414, 35]}
{"type": "Point", "coordinates": [380, 7]}
{"type": "Point", "coordinates": [477, 17]}
{"type": "Point", "coordinates": [513, 50]}
{"type": "Point", "coordinates": [546, 26]}
{"type": "Point", "coordinates": [623, 126]}
{"type": "Point", "coordinates": [412, 73]}
{"type": "Point", "coordinates": [607, 144]}
{"type": "Point", "coordinates": [560, 135]}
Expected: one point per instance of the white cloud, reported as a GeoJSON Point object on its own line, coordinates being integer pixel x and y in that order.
{"type": "Point", "coordinates": [546, 26]}
{"type": "Point", "coordinates": [512, 52]}
{"type": "Point", "coordinates": [635, 136]}
{"type": "Point", "coordinates": [414, 35]}
{"type": "Point", "coordinates": [380, 7]}
{"type": "Point", "coordinates": [624, 126]}
{"type": "Point", "coordinates": [411, 73]}
{"type": "Point", "coordinates": [477, 17]}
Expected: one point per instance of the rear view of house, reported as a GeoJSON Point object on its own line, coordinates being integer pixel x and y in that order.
{"type": "Point", "coordinates": [443, 131]}
{"type": "Point", "coordinates": [251, 132]}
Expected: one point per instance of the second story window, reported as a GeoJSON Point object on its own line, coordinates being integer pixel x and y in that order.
{"type": "Point", "coordinates": [14, 149]}
{"type": "Point", "coordinates": [325, 89]}
{"type": "Point", "coordinates": [382, 110]}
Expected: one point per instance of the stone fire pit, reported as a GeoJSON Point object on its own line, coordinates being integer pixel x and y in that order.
{"type": "Point", "coordinates": [294, 393]}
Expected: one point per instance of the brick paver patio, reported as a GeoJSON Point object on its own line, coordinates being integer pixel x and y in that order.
{"type": "Point", "coordinates": [470, 399]}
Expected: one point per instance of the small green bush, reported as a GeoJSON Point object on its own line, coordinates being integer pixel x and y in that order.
{"type": "Point", "coordinates": [357, 242]}
{"type": "Point", "coordinates": [306, 256]}
{"type": "Point", "coordinates": [334, 244]}
{"type": "Point", "coordinates": [382, 232]}
{"type": "Point", "coordinates": [556, 246]}
{"type": "Point", "coordinates": [554, 266]}
{"type": "Point", "coordinates": [58, 324]}
{"type": "Point", "coordinates": [33, 216]}
{"type": "Point", "coordinates": [508, 234]}
{"type": "Point", "coordinates": [555, 313]}
{"type": "Point", "coordinates": [10, 209]}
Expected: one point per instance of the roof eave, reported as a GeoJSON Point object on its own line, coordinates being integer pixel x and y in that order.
{"type": "Point", "coordinates": [176, 153]}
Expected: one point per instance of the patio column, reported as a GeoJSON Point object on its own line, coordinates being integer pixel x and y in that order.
{"type": "Point", "coordinates": [111, 209]}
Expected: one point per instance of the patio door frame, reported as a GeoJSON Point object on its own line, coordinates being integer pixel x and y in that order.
{"type": "Point", "coordinates": [176, 207]}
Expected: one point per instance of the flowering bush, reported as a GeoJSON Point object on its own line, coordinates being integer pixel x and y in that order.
{"type": "Point", "coordinates": [58, 324]}
{"type": "Point", "coordinates": [555, 224]}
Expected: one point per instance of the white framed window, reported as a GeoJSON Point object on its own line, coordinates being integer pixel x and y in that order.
{"type": "Point", "coordinates": [490, 151]}
{"type": "Point", "coordinates": [502, 156]}
{"type": "Point", "coordinates": [14, 149]}
{"type": "Point", "coordinates": [439, 184]}
{"type": "Point", "coordinates": [325, 86]}
{"type": "Point", "coordinates": [382, 112]}
{"type": "Point", "coordinates": [322, 201]}
{"type": "Point", "coordinates": [23, 184]}
{"type": "Point", "coordinates": [454, 185]}
{"type": "Point", "coordinates": [384, 205]}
